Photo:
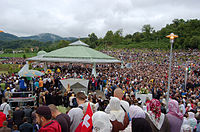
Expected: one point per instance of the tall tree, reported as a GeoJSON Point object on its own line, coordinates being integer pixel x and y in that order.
{"type": "Point", "coordinates": [92, 40]}
{"type": "Point", "coordinates": [108, 39]}
{"type": "Point", "coordinates": [147, 30]}
{"type": "Point", "coordinates": [195, 42]}
{"type": "Point", "coordinates": [63, 43]}
{"type": "Point", "coordinates": [177, 22]}
{"type": "Point", "coordinates": [136, 37]}
{"type": "Point", "coordinates": [118, 38]}
{"type": "Point", "coordinates": [93, 37]}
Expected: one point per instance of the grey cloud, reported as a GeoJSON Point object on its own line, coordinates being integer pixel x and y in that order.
{"type": "Point", "coordinates": [82, 17]}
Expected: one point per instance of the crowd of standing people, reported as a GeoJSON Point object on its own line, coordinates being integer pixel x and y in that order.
{"type": "Point", "coordinates": [117, 109]}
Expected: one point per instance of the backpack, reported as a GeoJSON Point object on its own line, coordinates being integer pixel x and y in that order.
{"type": "Point", "coordinates": [74, 102]}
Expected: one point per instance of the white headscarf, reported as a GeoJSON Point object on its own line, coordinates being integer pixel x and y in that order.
{"type": "Point", "coordinates": [189, 107]}
{"type": "Point", "coordinates": [136, 112]}
{"type": "Point", "coordinates": [101, 122]}
{"type": "Point", "coordinates": [76, 115]}
{"type": "Point", "coordinates": [186, 126]}
{"type": "Point", "coordinates": [191, 119]}
{"type": "Point", "coordinates": [116, 113]}
{"type": "Point", "coordinates": [191, 115]}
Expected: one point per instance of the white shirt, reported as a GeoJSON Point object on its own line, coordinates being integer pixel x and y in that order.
{"type": "Point", "coordinates": [70, 100]}
{"type": "Point", "coordinates": [182, 108]}
{"type": "Point", "coordinates": [5, 107]}
{"type": "Point", "coordinates": [13, 90]}
{"type": "Point", "coordinates": [45, 80]}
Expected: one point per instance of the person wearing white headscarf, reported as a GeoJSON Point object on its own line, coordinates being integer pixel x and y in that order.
{"type": "Point", "coordinates": [182, 108]}
{"type": "Point", "coordinates": [136, 112]}
{"type": "Point", "coordinates": [138, 123]}
{"type": "Point", "coordinates": [123, 104]}
{"type": "Point", "coordinates": [118, 117]}
{"type": "Point", "coordinates": [191, 119]}
{"type": "Point", "coordinates": [101, 122]}
{"type": "Point", "coordinates": [76, 115]}
{"type": "Point", "coordinates": [185, 126]}
{"type": "Point", "coordinates": [189, 107]}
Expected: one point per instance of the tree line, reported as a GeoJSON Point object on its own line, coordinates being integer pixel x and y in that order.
{"type": "Point", "coordinates": [188, 32]}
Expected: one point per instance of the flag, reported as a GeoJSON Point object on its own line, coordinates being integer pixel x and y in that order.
{"type": "Point", "coordinates": [87, 121]}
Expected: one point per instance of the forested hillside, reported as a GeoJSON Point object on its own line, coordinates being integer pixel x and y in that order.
{"type": "Point", "coordinates": [188, 32]}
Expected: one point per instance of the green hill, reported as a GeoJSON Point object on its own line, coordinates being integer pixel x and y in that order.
{"type": "Point", "coordinates": [7, 36]}
{"type": "Point", "coordinates": [187, 30]}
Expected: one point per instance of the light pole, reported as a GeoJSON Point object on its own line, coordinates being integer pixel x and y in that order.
{"type": "Point", "coordinates": [171, 37]}
{"type": "Point", "coordinates": [186, 69]}
{"type": "Point", "coordinates": [122, 62]}
{"type": "Point", "coordinates": [94, 70]}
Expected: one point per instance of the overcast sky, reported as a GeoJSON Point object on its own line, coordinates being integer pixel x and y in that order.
{"type": "Point", "coordinates": [79, 18]}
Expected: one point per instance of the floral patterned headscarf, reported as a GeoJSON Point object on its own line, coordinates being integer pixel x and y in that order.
{"type": "Point", "coordinates": [155, 114]}
{"type": "Point", "coordinates": [155, 108]}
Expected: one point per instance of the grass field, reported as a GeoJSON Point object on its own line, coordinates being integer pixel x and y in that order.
{"type": "Point", "coordinates": [3, 72]}
{"type": "Point", "coordinates": [5, 68]}
{"type": "Point", "coordinates": [18, 55]}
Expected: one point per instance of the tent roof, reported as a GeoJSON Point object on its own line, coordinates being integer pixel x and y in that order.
{"type": "Point", "coordinates": [78, 43]}
{"type": "Point", "coordinates": [73, 81]}
{"type": "Point", "coordinates": [76, 52]}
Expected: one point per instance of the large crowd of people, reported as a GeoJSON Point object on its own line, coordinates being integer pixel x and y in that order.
{"type": "Point", "coordinates": [117, 108]}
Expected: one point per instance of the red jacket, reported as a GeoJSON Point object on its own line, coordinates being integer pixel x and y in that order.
{"type": "Point", "coordinates": [52, 126]}
{"type": "Point", "coordinates": [2, 118]}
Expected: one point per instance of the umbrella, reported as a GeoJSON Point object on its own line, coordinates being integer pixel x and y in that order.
{"type": "Point", "coordinates": [31, 73]}
{"type": "Point", "coordinates": [25, 72]}
{"type": "Point", "coordinates": [24, 69]}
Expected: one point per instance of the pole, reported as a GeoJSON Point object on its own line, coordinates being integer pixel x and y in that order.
{"type": "Point", "coordinates": [169, 76]}
{"type": "Point", "coordinates": [45, 66]}
{"type": "Point", "coordinates": [122, 63]}
{"type": "Point", "coordinates": [172, 37]}
{"type": "Point", "coordinates": [94, 69]}
{"type": "Point", "coordinates": [186, 76]}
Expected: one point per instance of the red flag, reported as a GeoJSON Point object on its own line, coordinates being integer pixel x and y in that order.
{"type": "Point", "coordinates": [87, 121]}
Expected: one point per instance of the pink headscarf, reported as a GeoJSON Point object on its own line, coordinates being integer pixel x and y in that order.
{"type": "Point", "coordinates": [174, 109]}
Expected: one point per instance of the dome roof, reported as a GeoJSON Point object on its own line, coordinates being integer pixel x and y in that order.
{"type": "Point", "coordinates": [78, 43]}
{"type": "Point", "coordinates": [42, 52]}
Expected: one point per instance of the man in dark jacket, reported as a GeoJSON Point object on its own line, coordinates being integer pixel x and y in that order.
{"type": "Point", "coordinates": [63, 119]}
{"type": "Point", "coordinates": [28, 112]}
{"type": "Point", "coordinates": [43, 118]}
{"type": "Point", "coordinates": [18, 116]}
{"type": "Point", "coordinates": [26, 127]}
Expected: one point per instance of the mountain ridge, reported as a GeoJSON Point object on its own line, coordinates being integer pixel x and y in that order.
{"type": "Point", "coordinates": [43, 37]}
{"type": "Point", "coordinates": [8, 37]}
